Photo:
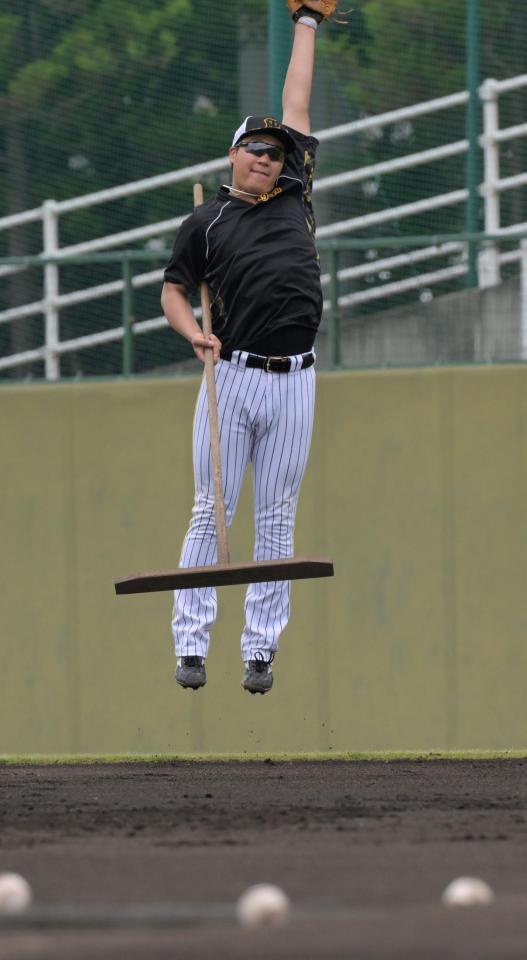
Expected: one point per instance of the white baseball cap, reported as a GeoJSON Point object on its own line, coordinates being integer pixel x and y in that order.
{"type": "Point", "coordinates": [264, 125]}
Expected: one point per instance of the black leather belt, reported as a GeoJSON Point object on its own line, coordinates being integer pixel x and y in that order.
{"type": "Point", "coordinates": [272, 364]}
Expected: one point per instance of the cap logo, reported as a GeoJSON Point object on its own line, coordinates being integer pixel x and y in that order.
{"type": "Point", "coordinates": [271, 122]}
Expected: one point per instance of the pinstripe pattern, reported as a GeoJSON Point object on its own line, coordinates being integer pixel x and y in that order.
{"type": "Point", "coordinates": [265, 419]}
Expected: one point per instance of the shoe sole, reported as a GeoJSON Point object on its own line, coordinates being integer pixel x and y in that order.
{"type": "Point", "coordinates": [191, 684]}
{"type": "Point", "coordinates": [257, 689]}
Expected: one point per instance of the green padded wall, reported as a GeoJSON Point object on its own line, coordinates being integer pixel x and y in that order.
{"type": "Point", "coordinates": [416, 487]}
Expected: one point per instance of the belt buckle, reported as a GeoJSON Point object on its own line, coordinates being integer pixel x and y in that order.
{"type": "Point", "coordinates": [271, 360]}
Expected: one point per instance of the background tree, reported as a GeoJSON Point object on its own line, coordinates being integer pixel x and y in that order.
{"type": "Point", "coordinates": [100, 92]}
{"type": "Point", "coordinates": [406, 51]}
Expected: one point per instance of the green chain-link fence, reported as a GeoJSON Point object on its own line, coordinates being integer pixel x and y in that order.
{"type": "Point", "coordinates": [96, 93]}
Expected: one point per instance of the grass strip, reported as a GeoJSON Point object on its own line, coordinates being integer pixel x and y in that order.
{"type": "Point", "coordinates": [379, 756]}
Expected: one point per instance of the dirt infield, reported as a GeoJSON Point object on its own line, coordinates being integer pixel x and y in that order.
{"type": "Point", "coordinates": [364, 850]}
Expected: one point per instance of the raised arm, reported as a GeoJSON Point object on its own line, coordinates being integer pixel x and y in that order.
{"type": "Point", "coordinates": [307, 15]}
{"type": "Point", "coordinates": [299, 78]}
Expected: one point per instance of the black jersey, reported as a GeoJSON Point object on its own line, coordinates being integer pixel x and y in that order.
{"type": "Point", "coordinates": [259, 260]}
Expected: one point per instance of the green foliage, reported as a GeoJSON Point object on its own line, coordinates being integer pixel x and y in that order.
{"type": "Point", "coordinates": [412, 50]}
{"type": "Point", "coordinates": [402, 51]}
{"type": "Point", "coordinates": [96, 93]}
{"type": "Point", "coordinates": [31, 85]}
{"type": "Point", "coordinates": [9, 24]}
{"type": "Point", "coordinates": [116, 82]}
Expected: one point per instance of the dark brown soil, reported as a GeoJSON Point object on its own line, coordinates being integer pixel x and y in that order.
{"type": "Point", "coordinates": [363, 850]}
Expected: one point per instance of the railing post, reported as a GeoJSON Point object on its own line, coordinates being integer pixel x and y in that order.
{"type": "Point", "coordinates": [523, 299]}
{"type": "Point", "coordinates": [127, 309]}
{"type": "Point", "coordinates": [489, 263]}
{"type": "Point", "coordinates": [51, 289]}
{"type": "Point", "coordinates": [473, 129]}
{"type": "Point", "coordinates": [334, 324]}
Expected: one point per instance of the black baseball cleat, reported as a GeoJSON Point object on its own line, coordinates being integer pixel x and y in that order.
{"type": "Point", "coordinates": [257, 674]}
{"type": "Point", "coordinates": [190, 672]}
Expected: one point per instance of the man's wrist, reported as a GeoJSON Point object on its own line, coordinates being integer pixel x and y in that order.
{"type": "Point", "coordinates": [308, 21]}
{"type": "Point", "coordinates": [311, 18]}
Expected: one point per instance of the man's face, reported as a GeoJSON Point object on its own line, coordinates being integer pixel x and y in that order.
{"type": "Point", "coordinates": [253, 173]}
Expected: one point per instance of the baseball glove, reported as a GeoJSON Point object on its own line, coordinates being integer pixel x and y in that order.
{"type": "Point", "coordinates": [319, 9]}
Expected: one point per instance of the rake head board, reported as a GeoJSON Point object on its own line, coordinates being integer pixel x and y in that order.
{"type": "Point", "coordinates": [221, 575]}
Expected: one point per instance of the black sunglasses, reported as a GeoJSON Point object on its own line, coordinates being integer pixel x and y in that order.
{"type": "Point", "coordinates": [259, 148]}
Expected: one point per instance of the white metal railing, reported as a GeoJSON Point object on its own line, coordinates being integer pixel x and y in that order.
{"type": "Point", "coordinates": [490, 259]}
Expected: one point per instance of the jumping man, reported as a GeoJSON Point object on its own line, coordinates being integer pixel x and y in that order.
{"type": "Point", "coordinates": [254, 245]}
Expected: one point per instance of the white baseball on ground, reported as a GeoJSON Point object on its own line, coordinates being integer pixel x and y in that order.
{"type": "Point", "coordinates": [263, 905]}
{"type": "Point", "coordinates": [467, 892]}
{"type": "Point", "coordinates": [15, 893]}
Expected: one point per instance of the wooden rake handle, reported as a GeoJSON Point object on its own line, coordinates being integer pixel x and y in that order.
{"type": "Point", "coordinates": [219, 501]}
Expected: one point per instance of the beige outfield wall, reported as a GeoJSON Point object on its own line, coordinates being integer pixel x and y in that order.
{"type": "Point", "coordinates": [416, 487]}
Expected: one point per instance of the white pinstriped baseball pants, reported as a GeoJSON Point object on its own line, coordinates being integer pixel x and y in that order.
{"type": "Point", "coordinates": [266, 419]}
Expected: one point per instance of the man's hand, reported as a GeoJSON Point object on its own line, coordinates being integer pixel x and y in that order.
{"type": "Point", "coordinates": [201, 343]}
